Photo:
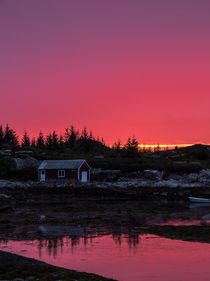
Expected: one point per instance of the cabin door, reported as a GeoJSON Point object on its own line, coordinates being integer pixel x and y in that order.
{"type": "Point", "coordinates": [84, 177]}
{"type": "Point", "coordinates": [43, 175]}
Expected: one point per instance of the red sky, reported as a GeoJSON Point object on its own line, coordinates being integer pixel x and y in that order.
{"type": "Point", "coordinates": [119, 67]}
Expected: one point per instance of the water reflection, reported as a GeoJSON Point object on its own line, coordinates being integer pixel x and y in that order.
{"type": "Point", "coordinates": [54, 246]}
{"type": "Point", "coordinates": [121, 256]}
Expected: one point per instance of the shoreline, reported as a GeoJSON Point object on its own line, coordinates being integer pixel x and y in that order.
{"type": "Point", "coordinates": [15, 266]}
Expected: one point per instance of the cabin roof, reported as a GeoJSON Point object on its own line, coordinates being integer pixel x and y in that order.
{"type": "Point", "coordinates": [60, 164]}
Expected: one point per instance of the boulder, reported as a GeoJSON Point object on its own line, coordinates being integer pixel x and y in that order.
{"type": "Point", "coordinates": [174, 176]}
{"type": "Point", "coordinates": [28, 162]}
{"type": "Point", "coordinates": [4, 196]}
{"type": "Point", "coordinates": [204, 176]}
{"type": "Point", "coordinates": [192, 177]}
{"type": "Point", "coordinates": [153, 174]}
{"type": "Point", "coordinates": [5, 184]}
{"type": "Point", "coordinates": [206, 217]}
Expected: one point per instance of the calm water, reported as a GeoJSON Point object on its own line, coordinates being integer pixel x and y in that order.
{"type": "Point", "coordinates": [126, 258]}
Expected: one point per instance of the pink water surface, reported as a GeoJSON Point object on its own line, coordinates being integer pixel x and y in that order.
{"type": "Point", "coordinates": [145, 258]}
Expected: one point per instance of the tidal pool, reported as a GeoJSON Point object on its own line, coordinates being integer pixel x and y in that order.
{"type": "Point", "coordinates": [122, 257]}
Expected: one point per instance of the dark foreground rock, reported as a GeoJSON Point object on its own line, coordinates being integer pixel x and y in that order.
{"type": "Point", "coordinates": [193, 233]}
{"type": "Point", "coordinates": [14, 267]}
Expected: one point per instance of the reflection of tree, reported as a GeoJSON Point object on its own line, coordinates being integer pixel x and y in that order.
{"type": "Point", "coordinates": [52, 245]}
{"type": "Point", "coordinates": [55, 244]}
{"type": "Point", "coordinates": [3, 241]}
{"type": "Point", "coordinates": [132, 240]}
{"type": "Point", "coordinates": [117, 238]}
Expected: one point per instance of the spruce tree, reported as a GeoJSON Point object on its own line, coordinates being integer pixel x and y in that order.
{"type": "Point", "coordinates": [84, 134]}
{"type": "Point", "coordinates": [54, 140]}
{"type": "Point", "coordinates": [67, 135]}
{"type": "Point", "coordinates": [10, 136]}
{"type": "Point", "coordinates": [132, 145]}
{"type": "Point", "coordinates": [117, 146]}
{"type": "Point", "coordinates": [33, 142]}
{"type": "Point", "coordinates": [49, 141]}
{"type": "Point", "coordinates": [61, 141]}
{"type": "Point", "coordinates": [91, 135]}
{"type": "Point", "coordinates": [1, 136]}
{"type": "Point", "coordinates": [40, 141]}
{"type": "Point", "coordinates": [73, 136]}
{"type": "Point", "coordinates": [25, 140]}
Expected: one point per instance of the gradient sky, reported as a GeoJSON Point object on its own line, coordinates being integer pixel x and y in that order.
{"type": "Point", "coordinates": [120, 67]}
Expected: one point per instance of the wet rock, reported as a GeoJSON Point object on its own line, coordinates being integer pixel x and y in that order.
{"type": "Point", "coordinates": [164, 193]}
{"type": "Point", "coordinates": [4, 196]}
{"type": "Point", "coordinates": [206, 217]}
{"type": "Point", "coordinates": [192, 177]}
{"type": "Point", "coordinates": [174, 176]}
{"type": "Point", "coordinates": [153, 174]}
{"type": "Point", "coordinates": [167, 183]}
{"type": "Point", "coordinates": [7, 184]}
{"type": "Point", "coordinates": [204, 176]}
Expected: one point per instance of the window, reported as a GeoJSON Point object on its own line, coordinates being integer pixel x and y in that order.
{"type": "Point", "coordinates": [61, 173]}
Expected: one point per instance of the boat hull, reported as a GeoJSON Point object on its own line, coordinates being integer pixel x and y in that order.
{"type": "Point", "coordinates": [199, 200]}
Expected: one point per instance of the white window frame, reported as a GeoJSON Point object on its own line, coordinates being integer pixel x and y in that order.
{"type": "Point", "coordinates": [61, 173]}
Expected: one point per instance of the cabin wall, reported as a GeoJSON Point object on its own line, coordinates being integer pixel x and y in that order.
{"type": "Point", "coordinates": [51, 174]}
{"type": "Point", "coordinates": [69, 174]}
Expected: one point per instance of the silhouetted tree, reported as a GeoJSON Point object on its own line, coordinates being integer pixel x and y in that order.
{"type": "Point", "coordinates": [33, 142]}
{"type": "Point", "coordinates": [1, 136]}
{"type": "Point", "coordinates": [149, 149]}
{"type": "Point", "coordinates": [40, 141]}
{"type": "Point", "coordinates": [61, 141]}
{"type": "Point", "coordinates": [103, 141]}
{"type": "Point", "coordinates": [157, 149]}
{"type": "Point", "coordinates": [84, 134]}
{"type": "Point", "coordinates": [25, 140]}
{"type": "Point", "coordinates": [117, 146]}
{"type": "Point", "coordinates": [91, 135]}
{"type": "Point", "coordinates": [49, 141]}
{"type": "Point", "coordinates": [132, 145]}
{"type": "Point", "coordinates": [67, 135]}
{"type": "Point", "coordinates": [10, 136]}
{"type": "Point", "coordinates": [54, 140]}
{"type": "Point", "coordinates": [71, 136]}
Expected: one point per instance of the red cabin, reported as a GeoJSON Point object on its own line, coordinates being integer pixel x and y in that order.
{"type": "Point", "coordinates": [64, 170]}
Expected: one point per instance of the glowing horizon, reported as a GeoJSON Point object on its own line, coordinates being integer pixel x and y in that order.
{"type": "Point", "coordinates": [141, 144]}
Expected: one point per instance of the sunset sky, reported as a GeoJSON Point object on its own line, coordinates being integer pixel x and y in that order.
{"type": "Point", "coordinates": [119, 67]}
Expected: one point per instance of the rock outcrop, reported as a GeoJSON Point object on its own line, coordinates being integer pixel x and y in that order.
{"type": "Point", "coordinates": [28, 162]}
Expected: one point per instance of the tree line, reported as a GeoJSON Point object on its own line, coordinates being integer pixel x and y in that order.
{"type": "Point", "coordinates": [72, 138]}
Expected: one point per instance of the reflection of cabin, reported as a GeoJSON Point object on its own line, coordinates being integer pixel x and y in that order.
{"type": "Point", "coordinates": [64, 170]}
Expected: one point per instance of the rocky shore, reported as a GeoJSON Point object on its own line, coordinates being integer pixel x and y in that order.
{"type": "Point", "coordinates": [18, 268]}
{"type": "Point", "coordinates": [113, 178]}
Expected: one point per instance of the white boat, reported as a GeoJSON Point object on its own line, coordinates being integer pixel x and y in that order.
{"type": "Point", "coordinates": [199, 200]}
